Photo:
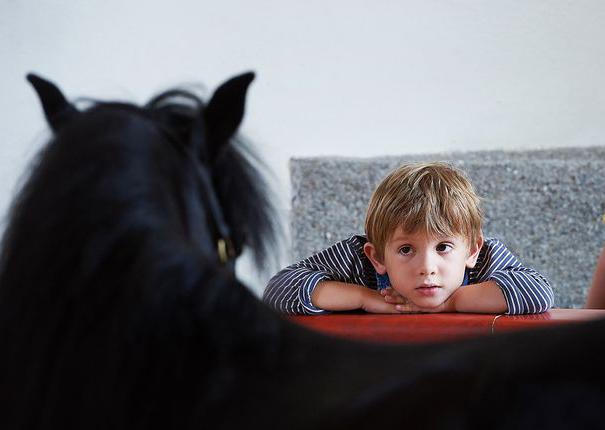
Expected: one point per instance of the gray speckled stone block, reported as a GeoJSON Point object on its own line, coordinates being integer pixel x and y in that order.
{"type": "Point", "coordinates": [546, 205]}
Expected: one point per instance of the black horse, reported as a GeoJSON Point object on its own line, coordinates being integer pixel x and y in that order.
{"type": "Point", "coordinates": [119, 307]}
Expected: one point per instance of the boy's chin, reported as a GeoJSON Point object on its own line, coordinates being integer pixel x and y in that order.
{"type": "Point", "coordinates": [429, 302]}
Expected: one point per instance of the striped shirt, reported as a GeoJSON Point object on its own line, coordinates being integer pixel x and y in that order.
{"type": "Point", "coordinates": [526, 291]}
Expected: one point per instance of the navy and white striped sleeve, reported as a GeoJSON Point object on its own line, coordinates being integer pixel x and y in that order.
{"type": "Point", "coordinates": [289, 291]}
{"type": "Point", "coordinates": [526, 291]}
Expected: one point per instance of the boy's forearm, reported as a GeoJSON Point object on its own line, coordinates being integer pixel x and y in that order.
{"type": "Point", "coordinates": [337, 296]}
{"type": "Point", "coordinates": [486, 297]}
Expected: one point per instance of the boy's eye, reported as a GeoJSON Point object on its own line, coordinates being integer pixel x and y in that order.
{"type": "Point", "coordinates": [444, 247]}
{"type": "Point", "coordinates": [405, 250]}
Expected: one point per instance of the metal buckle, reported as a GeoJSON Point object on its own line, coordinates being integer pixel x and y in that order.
{"type": "Point", "coordinates": [225, 250]}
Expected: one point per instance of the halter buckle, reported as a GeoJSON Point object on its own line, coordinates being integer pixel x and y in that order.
{"type": "Point", "coordinates": [225, 250]}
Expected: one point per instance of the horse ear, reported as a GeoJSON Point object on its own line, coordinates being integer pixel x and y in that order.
{"type": "Point", "coordinates": [57, 109]}
{"type": "Point", "coordinates": [225, 111]}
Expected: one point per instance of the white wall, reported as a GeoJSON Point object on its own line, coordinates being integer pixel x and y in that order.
{"type": "Point", "coordinates": [353, 78]}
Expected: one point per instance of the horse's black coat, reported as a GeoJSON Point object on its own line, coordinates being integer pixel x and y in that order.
{"type": "Point", "coordinates": [115, 311]}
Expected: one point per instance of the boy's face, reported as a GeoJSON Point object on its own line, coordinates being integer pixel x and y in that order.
{"type": "Point", "coordinates": [423, 269]}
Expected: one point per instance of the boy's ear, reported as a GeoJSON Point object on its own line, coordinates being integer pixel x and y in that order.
{"type": "Point", "coordinates": [473, 252]}
{"type": "Point", "coordinates": [370, 252]}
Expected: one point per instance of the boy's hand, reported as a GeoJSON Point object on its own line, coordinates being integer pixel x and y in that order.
{"type": "Point", "coordinates": [373, 302]}
{"type": "Point", "coordinates": [405, 306]}
{"type": "Point", "coordinates": [392, 296]}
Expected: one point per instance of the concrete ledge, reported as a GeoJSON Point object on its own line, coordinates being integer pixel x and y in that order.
{"type": "Point", "coordinates": [546, 205]}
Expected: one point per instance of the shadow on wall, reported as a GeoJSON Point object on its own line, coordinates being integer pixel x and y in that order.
{"type": "Point", "coordinates": [546, 205]}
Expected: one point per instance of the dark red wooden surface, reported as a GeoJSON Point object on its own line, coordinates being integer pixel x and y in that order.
{"type": "Point", "coordinates": [553, 317]}
{"type": "Point", "coordinates": [413, 328]}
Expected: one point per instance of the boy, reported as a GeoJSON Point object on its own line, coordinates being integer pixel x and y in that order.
{"type": "Point", "coordinates": [424, 241]}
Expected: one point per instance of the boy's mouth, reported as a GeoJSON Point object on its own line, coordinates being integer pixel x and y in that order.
{"type": "Point", "coordinates": [428, 290]}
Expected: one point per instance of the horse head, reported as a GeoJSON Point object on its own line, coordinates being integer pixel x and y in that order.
{"type": "Point", "coordinates": [206, 135]}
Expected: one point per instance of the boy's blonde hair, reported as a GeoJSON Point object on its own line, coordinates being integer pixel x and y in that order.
{"type": "Point", "coordinates": [435, 198]}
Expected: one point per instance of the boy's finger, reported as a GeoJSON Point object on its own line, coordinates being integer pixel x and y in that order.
{"type": "Point", "coordinates": [394, 299]}
{"type": "Point", "coordinates": [388, 291]}
{"type": "Point", "coordinates": [407, 308]}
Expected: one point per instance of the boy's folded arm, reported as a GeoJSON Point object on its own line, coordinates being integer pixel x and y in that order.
{"type": "Point", "coordinates": [337, 296]}
{"type": "Point", "coordinates": [526, 291]}
{"type": "Point", "coordinates": [485, 297]}
{"type": "Point", "coordinates": [290, 290]}
{"type": "Point", "coordinates": [307, 292]}
{"type": "Point", "coordinates": [343, 296]}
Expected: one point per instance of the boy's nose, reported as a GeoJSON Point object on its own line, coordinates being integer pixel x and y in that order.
{"type": "Point", "coordinates": [427, 271]}
{"type": "Point", "coordinates": [427, 265]}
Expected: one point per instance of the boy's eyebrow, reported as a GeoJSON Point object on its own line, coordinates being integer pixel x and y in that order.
{"type": "Point", "coordinates": [406, 237]}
